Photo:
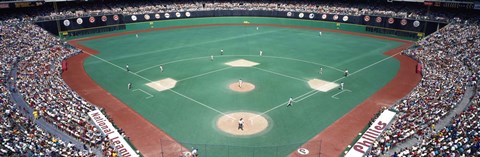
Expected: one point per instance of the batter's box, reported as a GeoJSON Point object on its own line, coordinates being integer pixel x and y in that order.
{"type": "Point", "coordinates": [164, 84]}
{"type": "Point", "coordinates": [322, 85]}
{"type": "Point", "coordinates": [242, 63]}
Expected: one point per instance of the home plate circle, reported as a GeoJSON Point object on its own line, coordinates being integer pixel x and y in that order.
{"type": "Point", "coordinates": [253, 123]}
{"type": "Point", "coordinates": [303, 151]}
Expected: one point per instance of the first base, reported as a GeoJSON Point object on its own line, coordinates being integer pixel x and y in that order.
{"type": "Point", "coordinates": [322, 85]}
{"type": "Point", "coordinates": [164, 84]}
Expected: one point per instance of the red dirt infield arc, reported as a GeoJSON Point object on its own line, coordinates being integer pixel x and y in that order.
{"type": "Point", "coordinates": [330, 142]}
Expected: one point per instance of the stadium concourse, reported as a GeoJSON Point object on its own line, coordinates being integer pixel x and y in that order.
{"type": "Point", "coordinates": [31, 67]}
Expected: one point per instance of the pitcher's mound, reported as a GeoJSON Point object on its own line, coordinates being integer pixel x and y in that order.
{"type": "Point", "coordinates": [253, 123]}
{"type": "Point", "coordinates": [246, 87]}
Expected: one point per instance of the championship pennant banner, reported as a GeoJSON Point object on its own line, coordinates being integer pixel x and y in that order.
{"type": "Point", "coordinates": [367, 139]}
{"type": "Point", "coordinates": [115, 138]}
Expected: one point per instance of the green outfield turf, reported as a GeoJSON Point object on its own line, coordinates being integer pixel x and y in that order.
{"type": "Point", "coordinates": [189, 111]}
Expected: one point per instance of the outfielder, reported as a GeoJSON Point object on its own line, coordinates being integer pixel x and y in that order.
{"type": "Point", "coordinates": [221, 52]}
{"type": "Point", "coordinates": [261, 52]}
{"type": "Point", "coordinates": [257, 28]}
{"type": "Point", "coordinates": [211, 58]}
{"type": "Point", "coordinates": [240, 124]}
{"type": "Point", "coordinates": [290, 102]}
{"type": "Point", "coordinates": [136, 35]}
{"type": "Point", "coordinates": [320, 33]}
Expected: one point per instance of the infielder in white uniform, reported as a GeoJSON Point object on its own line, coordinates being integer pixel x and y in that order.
{"type": "Point", "coordinates": [290, 102]}
{"type": "Point", "coordinates": [321, 71]}
{"type": "Point", "coordinates": [240, 82]}
{"type": "Point", "coordinates": [129, 86]}
{"type": "Point", "coordinates": [126, 68]}
{"type": "Point", "coordinates": [341, 85]}
{"type": "Point", "coordinates": [346, 73]}
{"type": "Point", "coordinates": [161, 68]}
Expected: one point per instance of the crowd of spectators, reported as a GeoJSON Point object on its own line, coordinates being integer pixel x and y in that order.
{"type": "Point", "coordinates": [460, 138]}
{"type": "Point", "coordinates": [20, 136]}
{"type": "Point", "coordinates": [450, 60]}
{"type": "Point", "coordinates": [38, 57]}
{"type": "Point", "coordinates": [405, 10]}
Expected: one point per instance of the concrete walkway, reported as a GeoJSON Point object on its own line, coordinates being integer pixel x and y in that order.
{"type": "Point", "coordinates": [469, 91]}
{"type": "Point", "coordinates": [18, 99]}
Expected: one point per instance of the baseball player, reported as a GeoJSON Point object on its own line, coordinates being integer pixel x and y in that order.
{"type": "Point", "coordinates": [320, 33]}
{"type": "Point", "coordinates": [341, 85]}
{"type": "Point", "coordinates": [261, 52]}
{"type": "Point", "coordinates": [345, 73]}
{"type": "Point", "coordinates": [290, 102]}
{"type": "Point", "coordinates": [257, 28]}
{"type": "Point", "coordinates": [194, 152]}
{"type": "Point", "coordinates": [129, 86]}
{"type": "Point", "coordinates": [221, 52]}
{"type": "Point", "coordinates": [161, 68]}
{"type": "Point", "coordinates": [136, 35]}
{"type": "Point", "coordinates": [126, 68]}
{"type": "Point", "coordinates": [240, 82]}
{"type": "Point", "coordinates": [240, 124]}
{"type": "Point", "coordinates": [321, 71]}
{"type": "Point", "coordinates": [211, 58]}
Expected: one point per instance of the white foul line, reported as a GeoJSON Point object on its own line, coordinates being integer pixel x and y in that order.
{"type": "Point", "coordinates": [346, 90]}
{"type": "Point", "coordinates": [280, 74]}
{"type": "Point", "coordinates": [191, 99]}
{"type": "Point", "coordinates": [281, 105]}
{"type": "Point", "coordinates": [149, 95]}
{"type": "Point", "coordinates": [311, 94]}
{"type": "Point", "coordinates": [205, 73]}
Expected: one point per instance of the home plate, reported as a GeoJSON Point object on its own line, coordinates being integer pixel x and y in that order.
{"type": "Point", "coordinates": [164, 84]}
{"type": "Point", "coordinates": [322, 85]}
{"type": "Point", "coordinates": [241, 63]}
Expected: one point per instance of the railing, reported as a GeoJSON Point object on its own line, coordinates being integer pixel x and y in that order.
{"type": "Point", "coordinates": [173, 148]}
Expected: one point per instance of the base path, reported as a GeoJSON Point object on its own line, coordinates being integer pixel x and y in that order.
{"type": "Point", "coordinates": [148, 138]}
{"type": "Point", "coordinates": [333, 141]}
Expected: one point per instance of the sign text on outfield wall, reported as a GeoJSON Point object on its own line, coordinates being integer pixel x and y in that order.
{"type": "Point", "coordinates": [115, 138]}
{"type": "Point", "coordinates": [367, 139]}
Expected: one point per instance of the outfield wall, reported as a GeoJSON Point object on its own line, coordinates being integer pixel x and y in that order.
{"type": "Point", "coordinates": [392, 27]}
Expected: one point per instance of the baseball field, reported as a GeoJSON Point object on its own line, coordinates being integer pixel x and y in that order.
{"type": "Point", "coordinates": [180, 82]}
